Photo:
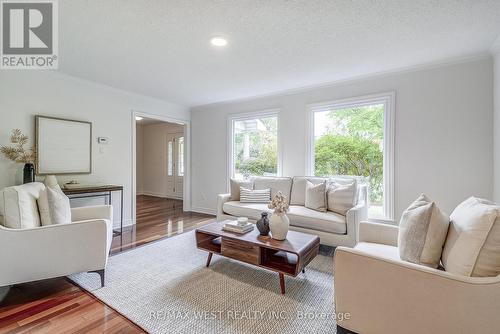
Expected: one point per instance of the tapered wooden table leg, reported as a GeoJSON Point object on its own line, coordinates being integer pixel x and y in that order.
{"type": "Point", "coordinates": [209, 259]}
{"type": "Point", "coordinates": [282, 283]}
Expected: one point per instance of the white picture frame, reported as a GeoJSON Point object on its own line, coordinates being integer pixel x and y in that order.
{"type": "Point", "coordinates": [63, 146]}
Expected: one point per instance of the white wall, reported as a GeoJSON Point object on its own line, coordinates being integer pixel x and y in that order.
{"type": "Point", "coordinates": [443, 140]}
{"type": "Point", "coordinates": [154, 175]}
{"type": "Point", "coordinates": [496, 88]}
{"type": "Point", "coordinates": [139, 151]}
{"type": "Point", "coordinates": [24, 94]}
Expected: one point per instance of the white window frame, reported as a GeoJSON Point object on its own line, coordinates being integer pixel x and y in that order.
{"type": "Point", "coordinates": [230, 133]}
{"type": "Point", "coordinates": [389, 101]}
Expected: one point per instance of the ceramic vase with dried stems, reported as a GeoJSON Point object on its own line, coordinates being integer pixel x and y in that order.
{"type": "Point", "coordinates": [279, 222]}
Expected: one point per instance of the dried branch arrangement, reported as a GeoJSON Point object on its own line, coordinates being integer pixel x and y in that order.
{"type": "Point", "coordinates": [17, 152]}
{"type": "Point", "coordinates": [279, 204]}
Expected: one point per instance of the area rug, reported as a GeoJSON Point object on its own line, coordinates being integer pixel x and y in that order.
{"type": "Point", "coordinates": [164, 287]}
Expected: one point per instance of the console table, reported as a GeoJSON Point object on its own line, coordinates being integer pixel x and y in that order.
{"type": "Point", "coordinates": [91, 191]}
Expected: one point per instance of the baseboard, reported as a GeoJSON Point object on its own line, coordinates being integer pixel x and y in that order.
{"type": "Point", "coordinates": [204, 210]}
{"type": "Point", "coordinates": [147, 193]}
{"type": "Point", "coordinates": [126, 222]}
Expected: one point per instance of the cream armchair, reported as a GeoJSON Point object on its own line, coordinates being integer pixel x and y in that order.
{"type": "Point", "coordinates": [43, 252]}
{"type": "Point", "coordinates": [376, 292]}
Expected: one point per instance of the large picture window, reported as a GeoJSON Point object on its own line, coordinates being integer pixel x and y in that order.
{"type": "Point", "coordinates": [253, 145]}
{"type": "Point", "coordinates": [355, 137]}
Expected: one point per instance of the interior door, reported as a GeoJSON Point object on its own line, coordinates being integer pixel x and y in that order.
{"type": "Point", "coordinates": [175, 165]}
{"type": "Point", "coordinates": [179, 165]}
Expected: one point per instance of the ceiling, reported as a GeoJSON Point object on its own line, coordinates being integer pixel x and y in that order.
{"type": "Point", "coordinates": [161, 48]}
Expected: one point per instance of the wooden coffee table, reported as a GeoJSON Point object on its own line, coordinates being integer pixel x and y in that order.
{"type": "Point", "coordinates": [287, 257]}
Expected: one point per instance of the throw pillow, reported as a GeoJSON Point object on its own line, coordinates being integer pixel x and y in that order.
{"type": "Point", "coordinates": [19, 205]}
{"type": "Point", "coordinates": [316, 196]}
{"type": "Point", "coordinates": [59, 206]}
{"type": "Point", "coordinates": [276, 184]}
{"type": "Point", "coordinates": [342, 196]}
{"type": "Point", "coordinates": [235, 187]}
{"type": "Point", "coordinates": [422, 233]}
{"type": "Point", "coordinates": [472, 247]}
{"type": "Point", "coordinates": [43, 208]}
{"type": "Point", "coordinates": [255, 196]}
{"type": "Point", "coordinates": [298, 193]}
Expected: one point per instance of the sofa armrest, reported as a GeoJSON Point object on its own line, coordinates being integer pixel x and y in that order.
{"type": "Point", "coordinates": [221, 199]}
{"type": "Point", "coordinates": [353, 218]}
{"type": "Point", "coordinates": [389, 296]}
{"type": "Point", "coordinates": [92, 212]}
{"type": "Point", "coordinates": [54, 250]}
{"type": "Point", "coordinates": [378, 233]}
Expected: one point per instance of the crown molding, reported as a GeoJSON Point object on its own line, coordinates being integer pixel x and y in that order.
{"type": "Point", "coordinates": [354, 79]}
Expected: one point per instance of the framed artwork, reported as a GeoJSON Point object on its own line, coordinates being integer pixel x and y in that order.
{"type": "Point", "coordinates": [63, 146]}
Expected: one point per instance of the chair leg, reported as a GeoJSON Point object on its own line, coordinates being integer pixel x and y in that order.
{"type": "Point", "coordinates": [101, 274]}
{"type": "Point", "coordinates": [4, 290]}
{"type": "Point", "coordinates": [342, 330]}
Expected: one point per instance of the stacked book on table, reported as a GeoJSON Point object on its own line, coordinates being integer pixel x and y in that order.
{"type": "Point", "coordinates": [233, 226]}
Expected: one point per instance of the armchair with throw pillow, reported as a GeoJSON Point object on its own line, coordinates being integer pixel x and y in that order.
{"type": "Point", "coordinates": [389, 283]}
{"type": "Point", "coordinates": [41, 237]}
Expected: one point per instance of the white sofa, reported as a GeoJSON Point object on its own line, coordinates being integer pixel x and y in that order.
{"type": "Point", "coordinates": [36, 253]}
{"type": "Point", "coordinates": [383, 294]}
{"type": "Point", "coordinates": [333, 229]}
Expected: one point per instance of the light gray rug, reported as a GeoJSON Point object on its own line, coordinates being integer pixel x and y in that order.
{"type": "Point", "coordinates": [164, 287]}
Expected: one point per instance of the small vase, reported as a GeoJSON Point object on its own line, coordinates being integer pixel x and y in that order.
{"type": "Point", "coordinates": [263, 224]}
{"type": "Point", "coordinates": [28, 173]}
{"type": "Point", "coordinates": [279, 225]}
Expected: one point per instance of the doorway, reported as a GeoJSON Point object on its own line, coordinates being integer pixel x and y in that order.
{"type": "Point", "coordinates": [175, 165]}
{"type": "Point", "coordinates": [160, 158]}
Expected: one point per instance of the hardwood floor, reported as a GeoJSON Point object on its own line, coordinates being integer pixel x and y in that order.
{"type": "Point", "coordinates": [59, 306]}
{"type": "Point", "coordinates": [157, 218]}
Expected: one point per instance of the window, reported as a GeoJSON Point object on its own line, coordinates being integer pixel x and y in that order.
{"type": "Point", "coordinates": [170, 158]}
{"type": "Point", "coordinates": [181, 157]}
{"type": "Point", "coordinates": [355, 137]}
{"type": "Point", "coordinates": [253, 145]}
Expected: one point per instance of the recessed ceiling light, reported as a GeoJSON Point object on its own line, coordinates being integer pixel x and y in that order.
{"type": "Point", "coordinates": [218, 41]}
{"type": "Point", "coordinates": [138, 118]}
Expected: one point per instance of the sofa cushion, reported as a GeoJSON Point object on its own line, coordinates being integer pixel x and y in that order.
{"type": "Point", "coordinates": [472, 247]}
{"type": "Point", "coordinates": [283, 184]}
{"type": "Point", "coordinates": [422, 233]}
{"type": "Point", "coordinates": [255, 196]}
{"type": "Point", "coordinates": [342, 196]}
{"type": "Point", "coordinates": [316, 196]}
{"type": "Point", "coordinates": [20, 209]}
{"type": "Point", "coordinates": [384, 251]}
{"type": "Point", "coordinates": [331, 222]}
{"type": "Point", "coordinates": [298, 194]}
{"type": "Point", "coordinates": [235, 187]}
{"type": "Point", "coordinates": [299, 216]}
{"type": "Point", "coordinates": [249, 210]}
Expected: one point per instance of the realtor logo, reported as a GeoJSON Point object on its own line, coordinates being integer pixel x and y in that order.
{"type": "Point", "coordinates": [29, 34]}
